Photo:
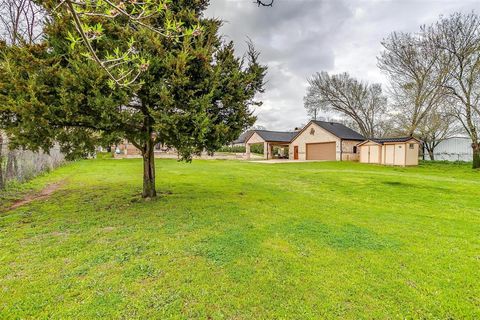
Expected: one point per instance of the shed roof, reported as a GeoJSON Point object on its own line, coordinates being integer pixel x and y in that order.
{"type": "Point", "coordinates": [340, 130]}
{"type": "Point", "coordinates": [387, 140]}
{"type": "Point", "coordinates": [390, 140]}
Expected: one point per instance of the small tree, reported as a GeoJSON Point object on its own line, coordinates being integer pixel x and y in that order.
{"type": "Point", "coordinates": [361, 102]}
{"type": "Point", "coordinates": [192, 93]}
{"type": "Point", "coordinates": [436, 127]}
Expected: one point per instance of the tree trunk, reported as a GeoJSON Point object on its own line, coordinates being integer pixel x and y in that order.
{"type": "Point", "coordinates": [149, 190]}
{"type": "Point", "coordinates": [431, 154]}
{"type": "Point", "coordinates": [476, 155]}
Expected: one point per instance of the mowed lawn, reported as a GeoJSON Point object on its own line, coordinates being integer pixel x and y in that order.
{"type": "Point", "coordinates": [238, 240]}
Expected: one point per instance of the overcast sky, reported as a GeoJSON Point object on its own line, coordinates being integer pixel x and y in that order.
{"type": "Point", "coordinates": [297, 38]}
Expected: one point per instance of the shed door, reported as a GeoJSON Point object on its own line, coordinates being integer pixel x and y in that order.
{"type": "Point", "coordinates": [399, 155]}
{"type": "Point", "coordinates": [364, 150]}
{"type": "Point", "coordinates": [389, 154]}
{"type": "Point", "coordinates": [322, 151]}
{"type": "Point", "coordinates": [374, 154]}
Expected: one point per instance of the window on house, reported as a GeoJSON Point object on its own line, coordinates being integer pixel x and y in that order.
{"type": "Point", "coordinates": [412, 146]}
{"type": "Point", "coordinates": [354, 149]}
{"type": "Point", "coordinates": [312, 131]}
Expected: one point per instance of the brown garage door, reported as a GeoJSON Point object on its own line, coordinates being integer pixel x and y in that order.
{"type": "Point", "coordinates": [322, 151]}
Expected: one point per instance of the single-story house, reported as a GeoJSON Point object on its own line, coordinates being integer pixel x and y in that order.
{"type": "Point", "coordinates": [390, 151]}
{"type": "Point", "coordinates": [126, 148]}
{"type": "Point", "coordinates": [321, 140]}
{"type": "Point", "coordinates": [269, 139]}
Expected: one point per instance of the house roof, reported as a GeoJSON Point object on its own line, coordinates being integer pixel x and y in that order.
{"type": "Point", "coordinates": [275, 136]}
{"type": "Point", "coordinates": [243, 137]}
{"type": "Point", "coordinates": [390, 140]}
{"type": "Point", "coordinates": [339, 130]}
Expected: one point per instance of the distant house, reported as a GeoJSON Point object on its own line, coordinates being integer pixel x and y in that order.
{"type": "Point", "coordinates": [321, 140]}
{"type": "Point", "coordinates": [390, 151]}
{"type": "Point", "coordinates": [126, 149]}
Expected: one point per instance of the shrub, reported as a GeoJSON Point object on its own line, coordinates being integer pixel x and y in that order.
{"type": "Point", "coordinates": [256, 148]}
{"type": "Point", "coordinates": [233, 149]}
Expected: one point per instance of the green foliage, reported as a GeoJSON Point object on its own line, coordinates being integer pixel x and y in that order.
{"type": "Point", "coordinates": [256, 148]}
{"type": "Point", "coordinates": [228, 238]}
{"type": "Point", "coordinates": [233, 149]}
{"type": "Point", "coordinates": [194, 93]}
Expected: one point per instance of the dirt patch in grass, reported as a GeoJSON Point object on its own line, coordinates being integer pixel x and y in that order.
{"type": "Point", "coordinates": [43, 194]}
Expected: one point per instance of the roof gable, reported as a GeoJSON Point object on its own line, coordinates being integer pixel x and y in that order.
{"type": "Point", "coordinates": [243, 137]}
{"type": "Point", "coordinates": [337, 129]}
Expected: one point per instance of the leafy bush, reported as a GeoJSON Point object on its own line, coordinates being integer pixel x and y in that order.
{"type": "Point", "coordinates": [233, 149]}
{"type": "Point", "coordinates": [256, 148]}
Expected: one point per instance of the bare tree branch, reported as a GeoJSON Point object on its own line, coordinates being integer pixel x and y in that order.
{"type": "Point", "coordinates": [361, 102]}
{"type": "Point", "coordinates": [265, 3]}
{"type": "Point", "coordinates": [410, 63]}
{"type": "Point", "coordinates": [21, 21]}
{"type": "Point", "coordinates": [458, 39]}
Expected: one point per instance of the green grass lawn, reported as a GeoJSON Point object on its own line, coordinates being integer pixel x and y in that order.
{"type": "Point", "coordinates": [237, 240]}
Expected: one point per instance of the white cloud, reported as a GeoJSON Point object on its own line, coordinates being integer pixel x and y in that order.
{"type": "Point", "coordinates": [297, 38]}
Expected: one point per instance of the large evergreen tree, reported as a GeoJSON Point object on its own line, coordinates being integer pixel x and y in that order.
{"type": "Point", "coordinates": [192, 93]}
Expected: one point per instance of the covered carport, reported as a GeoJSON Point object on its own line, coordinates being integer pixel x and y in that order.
{"type": "Point", "coordinates": [269, 139]}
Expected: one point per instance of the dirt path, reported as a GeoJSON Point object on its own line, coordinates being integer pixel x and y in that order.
{"type": "Point", "coordinates": [43, 194]}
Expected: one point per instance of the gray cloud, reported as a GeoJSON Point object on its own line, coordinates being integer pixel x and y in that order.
{"type": "Point", "coordinates": [297, 38]}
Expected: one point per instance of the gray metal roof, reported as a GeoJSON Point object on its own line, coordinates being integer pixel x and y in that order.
{"type": "Point", "coordinates": [275, 136]}
{"type": "Point", "coordinates": [384, 140]}
{"type": "Point", "coordinates": [243, 137]}
{"type": "Point", "coordinates": [340, 130]}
